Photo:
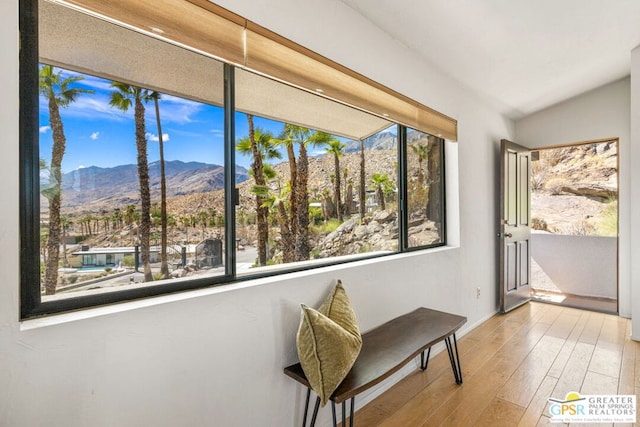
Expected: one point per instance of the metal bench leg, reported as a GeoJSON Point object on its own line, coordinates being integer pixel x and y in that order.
{"type": "Point", "coordinates": [306, 408]}
{"type": "Point", "coordinates": [353, 402]}
{"type": "Point", "coordinates": [424, 363]}
{"type": "Point", "coordinates": [455, 342]}
{"type": "Point", "coordinates": [333, 410]}
{"type": "Point", "coordinates": [315, 412]}
{"type": "Point", "coordinates": [454, 358]}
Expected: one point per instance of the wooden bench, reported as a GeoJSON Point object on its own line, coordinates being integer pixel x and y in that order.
{"type": "Point", "coordinates": [385, 350]}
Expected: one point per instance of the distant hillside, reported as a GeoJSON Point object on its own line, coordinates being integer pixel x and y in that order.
{"type": "Point", "coordinates": [191, 185]}
{"type": "Point", "coordinates": [95, 187]}
{"type": "Point", "coordinates": [382, 141]}
{"type": "Point", "coordinates": [379, 141]}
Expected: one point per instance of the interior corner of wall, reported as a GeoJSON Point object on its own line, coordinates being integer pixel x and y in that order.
{"type": "Point", "coordinates": [452, 193]}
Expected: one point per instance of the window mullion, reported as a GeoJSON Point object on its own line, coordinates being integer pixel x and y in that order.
{"type": "Point", "coordinates": [402, 188]}
{"type": "Point", "coordinates": [229, 170]}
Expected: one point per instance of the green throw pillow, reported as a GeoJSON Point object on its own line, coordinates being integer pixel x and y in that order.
{"type": "Point", "coordinates": [327, 346]}
{"type": "Point", "coordinates": [337, 307]}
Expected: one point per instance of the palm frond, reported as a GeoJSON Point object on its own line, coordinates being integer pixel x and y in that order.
{"type": "Point", "coordinates": [121, 100]}
{"type": "Point", "coordinates": [260, 190]}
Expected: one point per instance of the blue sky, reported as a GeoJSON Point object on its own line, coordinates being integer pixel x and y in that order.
{"type": "Point", "coordinates": [99, 135]}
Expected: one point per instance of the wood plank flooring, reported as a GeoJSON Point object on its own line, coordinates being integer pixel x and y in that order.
{"type": "Point", "coordinates": [511, 365]}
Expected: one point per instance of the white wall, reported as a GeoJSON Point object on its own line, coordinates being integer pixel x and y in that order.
{"type": "Point", "coordinates": [634, 166]}
{"type": "Point", "coordinates": [215, 356]}
{"type": "Point", "coordinates": [598, 114]}
{"type": "Point", "coordinates": [568, 261]}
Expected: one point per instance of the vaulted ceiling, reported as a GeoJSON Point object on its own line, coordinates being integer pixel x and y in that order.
{"type": "Point", "coordinates": [521, 55]}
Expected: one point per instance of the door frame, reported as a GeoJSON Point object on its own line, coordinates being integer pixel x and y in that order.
{"type": "Point", "coordinates": [599, 141]}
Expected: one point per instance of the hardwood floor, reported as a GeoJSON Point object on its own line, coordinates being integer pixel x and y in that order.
{"type": "Point", "coordinates": [511, 365]}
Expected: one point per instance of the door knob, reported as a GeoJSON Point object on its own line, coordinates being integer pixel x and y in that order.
{"type": "Point", "coordinates": [508, 235]}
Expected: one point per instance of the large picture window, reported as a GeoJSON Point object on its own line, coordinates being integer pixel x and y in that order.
{"type": "Point", "coordinates": [157, 168]}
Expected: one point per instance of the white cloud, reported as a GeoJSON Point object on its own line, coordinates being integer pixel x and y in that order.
{"type": "Point", "coordinates": [45, 129]}
{"type": "Point", "coordinates": [90, 107]}
{"type": "Point", "coordinates": [95, 135]}
{"type": "Point", "coordinates": [152, 137]}
{"type": "Point", "coordinates": [81, 167]}
{"type": "Point", "coordinates": [176, 110]}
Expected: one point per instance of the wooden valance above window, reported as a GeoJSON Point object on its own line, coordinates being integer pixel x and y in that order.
{"type": "Point", "coordinates": [207, 28]}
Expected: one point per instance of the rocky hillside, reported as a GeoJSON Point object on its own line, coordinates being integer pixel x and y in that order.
{"type": "Point", "coordinates": [574, 190]}
{"type": "Point", "coordinates": [320, 168]}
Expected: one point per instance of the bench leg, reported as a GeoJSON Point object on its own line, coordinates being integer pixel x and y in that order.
{"type": "Point", "coordinates": [424, 363]}
{"type": "Point", "coordinates": [353, 403]}
{"type": "Point", "coordinates": [306, 410]}
{"type": "Point", "coordinates": [454, 358]}
{"type": "Point", "coordinates": [344, 413]}
{"type": "Point", "coordinates": [333, 411]}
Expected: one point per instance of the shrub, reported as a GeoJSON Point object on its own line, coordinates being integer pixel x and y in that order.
{"type": "Point", "coordinates": [327, 226]}
{"type": "Point", "coordinates": [108, 269]}
{"type": "Point", "coordinates": [128, 261]}
{"type": "Point", "coordinates": [555, 185]}
{"type": "Point", "coordinates": [582, 228]}
{"type": "Point", "coordinates": [539, 224]}
{"type": "Point", "coordinates": [608, 223]}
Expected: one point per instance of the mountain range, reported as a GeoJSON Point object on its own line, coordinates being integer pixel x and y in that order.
{"type": "Point", "coordinates": [95, 188]}
{"type": "Point", "coordinates": [119, 185]}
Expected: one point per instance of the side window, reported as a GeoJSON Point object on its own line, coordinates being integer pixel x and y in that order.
{"type": "Point", "coordinates": [322, 178]}
{"type": "Point", "coordinates": [131, 158]}
{"type": "Point", "coordinates": [425, 189]}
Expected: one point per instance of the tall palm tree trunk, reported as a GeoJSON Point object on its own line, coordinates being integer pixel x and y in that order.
{"type": "Point", "coordinates": [380, 196]}
{"type": "Point", "coordinates": [337, 195]}
{"type": "Point", "coordinates": [53, 242]}
{"type": "Point", "coordinates": [164, 265]}
{"type": "Point", "coordinates": [302, 199]}
{"type": "Point", "coordinates": [262, 211]}
{"type": "Point", "coordinates": [434, 207]}
{"type": "Point", "coordinates": [293, 182]}
{"type": "Point", "coordinates": [145, 194]}
{"type": "Point", "coordinates": [288, 242]}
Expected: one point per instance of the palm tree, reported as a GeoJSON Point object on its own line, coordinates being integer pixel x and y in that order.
{"type": "Point", "coordinates": [382, 184]}
{"type": "Point", "coordinates": [59, 93]}
{"type": "Point", "coordinates": [434, 207]}
{"type": "Point", "coordinates": [65, 224]}
{"type": "Point", "coordinates": [130, 214]}
{"type": "Point", "coordinates": [422, 152]}
{"type": "Point", "coordinates": [122, 98]}
{"type": "Point", "coordinates": [117, 219]}
{"type": "Point", "coordinates": [164, 266]}
{"type": "Point", "coordinates": [278, 203]}
{"type": "Point", "coordinates": [262, 146]}
{"type": "Point", "coordinates": [336, 148]}
{"type": "Point", "coordinates": [293, 178]}
{"type": "Point", "coordinates": [303, 137]}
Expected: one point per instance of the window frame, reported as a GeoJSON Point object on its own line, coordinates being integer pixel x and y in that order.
{"type": "Point", "coordinates": [31, 304]}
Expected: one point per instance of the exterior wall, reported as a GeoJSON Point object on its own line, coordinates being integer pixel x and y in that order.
{"type": "Point", "coordinates": [216, 355]}
{"type": "Point", "coordinates": [601, 113]}
{"type": "Point", "coordinates": [569, 262]}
